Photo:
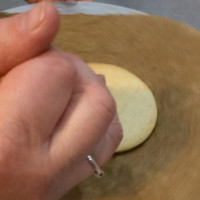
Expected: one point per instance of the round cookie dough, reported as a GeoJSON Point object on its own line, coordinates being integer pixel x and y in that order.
{"type": "Point", "coordinates": [136, 105]}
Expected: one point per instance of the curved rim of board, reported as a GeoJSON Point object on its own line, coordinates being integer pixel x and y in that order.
{"type": "Point", "coordinates": [90, 8]}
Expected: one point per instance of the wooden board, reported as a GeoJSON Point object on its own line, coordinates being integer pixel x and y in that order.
{"type": "Point", "coordinates": [165, 55]}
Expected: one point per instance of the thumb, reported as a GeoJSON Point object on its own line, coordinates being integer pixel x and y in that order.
{"type": "Point", "coordinates": [27, 35]}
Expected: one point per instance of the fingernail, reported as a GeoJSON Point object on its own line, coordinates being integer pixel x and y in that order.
{"type": "Point", "coordinates": [32, 19]}
{"type": "Point", "coordinates": [102, 78]}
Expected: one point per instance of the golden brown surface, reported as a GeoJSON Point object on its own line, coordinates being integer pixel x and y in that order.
{"type": "Point", "coordinates": [166, 56]}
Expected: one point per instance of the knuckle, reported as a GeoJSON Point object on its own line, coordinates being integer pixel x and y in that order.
{"type": "Point", "coordinates": [60, 66]}
{"type": "Point", "coordinates": [105, 102]}
{"type": "Point", "coordinates": [116, 133]}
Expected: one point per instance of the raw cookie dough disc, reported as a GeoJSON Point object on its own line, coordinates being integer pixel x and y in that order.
{"type": "Point", "coordinates": [135, 104]}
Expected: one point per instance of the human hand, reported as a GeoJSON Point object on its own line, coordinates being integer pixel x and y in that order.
{"type": "Point", "coordinates": [54, 112]}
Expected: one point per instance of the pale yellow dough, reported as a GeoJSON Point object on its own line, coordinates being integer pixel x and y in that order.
{"type": "Point", "coordinates": [136, 105]}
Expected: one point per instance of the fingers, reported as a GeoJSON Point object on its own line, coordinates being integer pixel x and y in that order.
{"type": "Point", "coordinates": [27, 35]}
{"type": "Point", "coordinates": [88, 116]}
{"type": "Point", "coordinates": [34, 95]}
{"type": "Point", "coordinates": [107, 146]}
{"type": "Point", "coordinates": [89, 126]}
{"type": "Point", "coordinates": [103, 151]}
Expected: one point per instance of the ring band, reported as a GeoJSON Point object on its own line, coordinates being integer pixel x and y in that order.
{"type": "Point", "coordinates": [98, 171]}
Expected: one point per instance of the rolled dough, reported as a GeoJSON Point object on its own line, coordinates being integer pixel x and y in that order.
{"type": "Point", "coordinates": [135, 104]}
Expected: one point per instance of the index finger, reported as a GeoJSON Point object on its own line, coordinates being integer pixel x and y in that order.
{"type": "Point", "coordinates": [87, 117]}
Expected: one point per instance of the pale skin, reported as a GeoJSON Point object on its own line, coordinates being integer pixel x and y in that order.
{"type": "Point", "coordinates": [54, 111]}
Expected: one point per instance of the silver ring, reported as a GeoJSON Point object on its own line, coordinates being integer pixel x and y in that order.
{"type": "Point", "coordinates": [98, 171]}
